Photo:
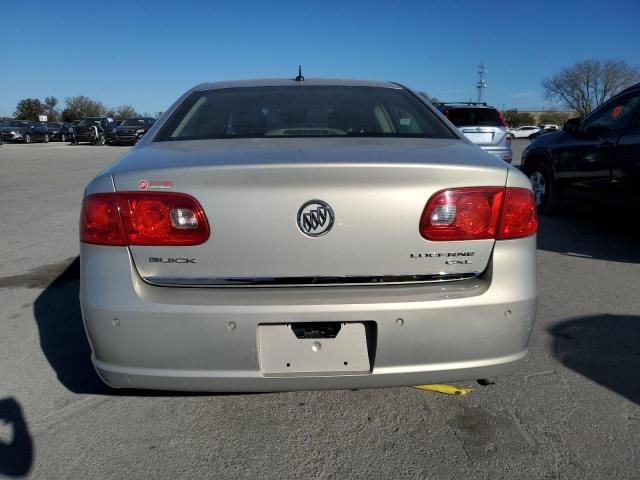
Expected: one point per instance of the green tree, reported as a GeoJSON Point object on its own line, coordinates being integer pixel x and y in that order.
{"type": "Point", "coordinates": [587, 85]}
{"type": "Point", "coordinates": [557, 118]}
{"type": "Point", "coordinates": [516, 119]}
{"type": "Point", "coordinates": [29, 109]}
{"type": "Point", "coordinates": [50, 111]}
{"type": "Point", "coordinates": [122, 112]}
{"type": "Point", "coordinates": [80, 107]}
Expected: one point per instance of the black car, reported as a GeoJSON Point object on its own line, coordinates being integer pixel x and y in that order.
{"type": "Point", "coordinates": [67, 129]}
{"type": "Point", "coordinates": [130, 131]}
{"type": "Point", "coordinates": [93, 130]}
{"type": "Point", "coordinates": [58, 131]}
{"type": "Point", "coordinates": [542, 131]}
{"type": "Point", "coordinates": [25, 131]}
{"type": "Point", "coordinates": [600, 154]}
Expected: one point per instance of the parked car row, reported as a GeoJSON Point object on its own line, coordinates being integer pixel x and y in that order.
{"type": "Point", "coordinates": [94, 130]}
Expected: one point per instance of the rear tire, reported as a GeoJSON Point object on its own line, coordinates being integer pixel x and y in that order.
{"type": "Point", "coordinates": [545, 190]}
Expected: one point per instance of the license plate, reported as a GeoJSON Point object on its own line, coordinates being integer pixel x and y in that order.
{"type": "Point", "coordinates": [281, 352]}
{"type": "Point", "coordinates": [479, 137]}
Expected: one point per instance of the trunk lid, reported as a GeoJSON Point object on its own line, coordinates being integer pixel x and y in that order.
{"type": "Point", "coordinates": [252, 192]}
{"type": "Point", "coordinates": [484, 135]}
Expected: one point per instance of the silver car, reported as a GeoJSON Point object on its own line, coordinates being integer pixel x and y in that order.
{"type": "Point", "coordinates": [483, 125]}
{"type": "Point", "coordinates": [306, 234]}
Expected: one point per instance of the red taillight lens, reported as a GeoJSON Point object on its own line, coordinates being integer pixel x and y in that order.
{"type": "Point", "coordinates": [519, 218]}
{"type": "Point", "coordinates": [143, 218]}
{"type": "Point", "coordinates": [477, 213]}
{"type": "Point", "coordinates": [462, 214]}
{"type": "Point", "coordinates": [503, 120]}
{"type": "Point", "coordinates": [100, 221]}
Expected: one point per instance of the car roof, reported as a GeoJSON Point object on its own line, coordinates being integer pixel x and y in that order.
{"type": "Point", "coordinates": [283, 82]}
{"type": "Point", "coordinates": [452, 105]}
{"type": "Point", "coordinates": [630, 89]}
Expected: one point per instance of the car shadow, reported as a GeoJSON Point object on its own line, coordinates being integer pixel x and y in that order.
{"type": "Point", "coordinates": [62, 336]}
{"type": "Point", "coordinates": [16, 455]}
{"type": "Point", "coordinates": [603, 348]}
{"type": "Point", "coordinates": [592, 230]}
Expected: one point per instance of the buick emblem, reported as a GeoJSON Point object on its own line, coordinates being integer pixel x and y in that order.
{"type": "Point", "coordinates": [315, 218]}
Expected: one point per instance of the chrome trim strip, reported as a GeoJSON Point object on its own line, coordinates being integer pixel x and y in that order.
{"type": "Point", "coordinates": [325, 281]}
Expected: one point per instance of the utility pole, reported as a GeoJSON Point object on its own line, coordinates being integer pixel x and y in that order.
{"type": "Point", "coordinates": [482, 83]}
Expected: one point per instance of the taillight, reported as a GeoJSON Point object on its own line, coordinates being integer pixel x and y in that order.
{"type": "Point", "coordinates": [519, 218]}
{"type": "Point", "coordinates": [503, 120]}
{"type": "Point", "coordinates": [477, 213]}
{"type": "Point", "coordinates": [143, 218]}
{"type": "Point", "coordinates": [100, 221]}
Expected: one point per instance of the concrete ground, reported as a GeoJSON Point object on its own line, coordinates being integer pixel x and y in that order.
{"type": "Point", "coordinates": [572, 411]}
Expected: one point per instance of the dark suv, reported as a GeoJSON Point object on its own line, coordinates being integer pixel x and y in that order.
{"type": "Point", "coordinates": [482, 124]}
{"type": "Point", "coordinates": [130, 131]}
{"type": "Point", "coordinates": [93, 130]}
{"type": "Point", "coordinates": [600, 154]}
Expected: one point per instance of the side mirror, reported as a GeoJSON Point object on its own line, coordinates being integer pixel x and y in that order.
{"type": "Point", "coordinates": [572, 126]}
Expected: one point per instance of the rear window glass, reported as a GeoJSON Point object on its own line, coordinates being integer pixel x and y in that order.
{"type": "Point", "coordinates": [133, 122]}
{"type": "Point", "coordinates": [302, 111]}
{"type": "Point", "coordinates": [463, 117]}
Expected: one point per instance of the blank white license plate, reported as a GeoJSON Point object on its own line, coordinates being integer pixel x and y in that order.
{"type": "Point", "coordinates": [281, 352]}
{"type": "Point", "coordinates": [479, 137]}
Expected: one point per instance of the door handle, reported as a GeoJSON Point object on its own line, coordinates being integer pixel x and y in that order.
{"type": "Point", "coordinates": [606, 144]}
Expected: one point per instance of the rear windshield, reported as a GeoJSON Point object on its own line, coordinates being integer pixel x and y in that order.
{"type": "Point", "coordinates": [302, 111]}
{"type": "Point", "coordinates": [89, 121]}
{"type": "Point", "coordinates": [133, 122]}
{"type": "Point", "coordinates": [463, 117]}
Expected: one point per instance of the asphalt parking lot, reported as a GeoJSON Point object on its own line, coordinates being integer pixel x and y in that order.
{"type": "Point", "coordinates": [571, 412]}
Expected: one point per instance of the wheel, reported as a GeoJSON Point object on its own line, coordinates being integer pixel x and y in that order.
{"type": "Point", "coordinates": [27, 138]}
{"type": "Point", "coordinates": [101, 139]}
{"type": "Point", "coordinates": [544, 187]}
{"type": "Point", "coordinates": [46, 138]}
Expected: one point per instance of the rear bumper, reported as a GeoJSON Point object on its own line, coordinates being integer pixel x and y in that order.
{"type": "Point", "coordinates": [124, 138]}
{"type": "Point", "coordinates": [82, 137]}
{"type": "Point", "coordinates": [144, 336]}
{"type": "Point", "coordinates": [12, 137]}
{"type": "Point", "coordinates": [502, 153]}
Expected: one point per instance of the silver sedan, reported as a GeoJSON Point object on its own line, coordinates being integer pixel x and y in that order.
{"type": "Point", "coordinates": [306, 234]}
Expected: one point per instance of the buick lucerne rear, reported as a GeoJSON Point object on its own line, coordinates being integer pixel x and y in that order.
{"type": "Point", "coordinates": [286, 235]}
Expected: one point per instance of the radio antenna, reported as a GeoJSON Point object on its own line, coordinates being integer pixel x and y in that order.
{"type": "Point", "coordinates": [299, 78]}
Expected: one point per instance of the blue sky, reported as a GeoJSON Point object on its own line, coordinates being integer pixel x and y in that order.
{"type": "Point", "coordinates": [146, 53]}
